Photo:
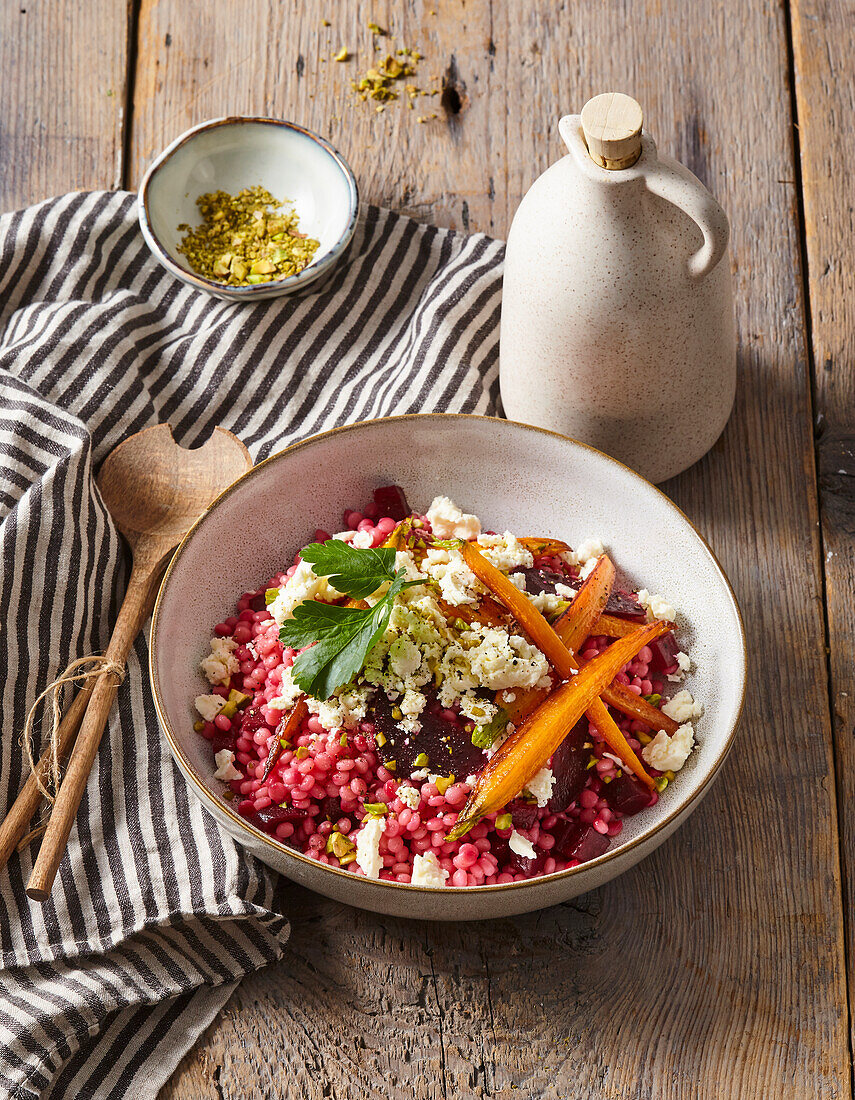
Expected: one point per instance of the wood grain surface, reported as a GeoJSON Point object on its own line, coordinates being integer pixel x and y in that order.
{"type": "Point", "coordinates": [717, 967]}
{"type": "Point", "coordinates": [62, 97]}
{"type": "Point", "coordinates": [823, 49]}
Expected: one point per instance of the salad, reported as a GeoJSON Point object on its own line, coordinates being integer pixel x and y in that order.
{"type": "Point", "coordinates": [418, 700]}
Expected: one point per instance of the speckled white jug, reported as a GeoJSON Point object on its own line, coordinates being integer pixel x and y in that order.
{"type": "Point", "coordinates": [617, 311]}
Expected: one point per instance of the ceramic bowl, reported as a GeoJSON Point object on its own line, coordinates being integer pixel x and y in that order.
{"type": "Point", "coordinates": [514, 477]}
{"type": "Point", "coordinates": [229, 154]}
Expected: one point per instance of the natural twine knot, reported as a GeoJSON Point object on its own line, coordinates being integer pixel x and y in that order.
{"type": "Point", "coordinates": [76, 672]}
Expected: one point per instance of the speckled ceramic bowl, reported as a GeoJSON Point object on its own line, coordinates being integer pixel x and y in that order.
{"type": "Point", "coordinates": [232, 153]}
{"type": "Point", "coordinates": [513, 476]}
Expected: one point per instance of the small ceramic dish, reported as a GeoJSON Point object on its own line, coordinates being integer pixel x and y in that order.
{"type": "Point", "coordinates": [514, 477]}
{"type": "Point", "coordinates": [229, 154]}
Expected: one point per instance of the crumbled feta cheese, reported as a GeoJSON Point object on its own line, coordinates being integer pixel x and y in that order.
{"type": "Point", "coordinates": [302, 585]}
{"type": "Point", "coordinates": [420, 773]}
{"type": "Point", "coordinates": [518, 580]}
{"type": "Point", "coordinates": [684, 665]}
{"type": "Point", "coordinates": [404, 657]}
{"type": "Point", "coordinates": [590, 548]}
{"type": "Point", "coordinates": [521, 846]}
{"type": "Point", "coordinates": [565, 591]}
{"type": "Point", "coordinates": [457, 583]}
{"type": "Point", "coordinates": [658, 606]}
{"type": "Point", "coordinates": [587, 569]}
{"type": "Point", "coordinates": [344, 710]}
{"type": "Point", "coordinates": [547, 603]}
{"type": "Point", "coordinates": [479, 710]}
{"type": "Point", "coordinates": [368, 846]}
{"type": "Point", "coordinates": [670, 753]}
{"type": "Point", "coordinates": [362, 540]}
{"type": "Point", "coordinates": [427, 871]}
{"type": "Point", "coordinates": [506, 552]}
{"type": "Point", "coordinates": [226, 771]}
{"type": "Point", "coordinates": [448, 522]}
{"type": "Point", "coordinates": [289, 692]}
{"type": "Point", "coordinates": [405, 560]}
{"type": "Point", "coordinates": [682, 708]}
{"type": "Point", "coordinates": [541, 785]}
{"type": "Point", "coordinates": [495, 659]}
{"type": "Point", "coordinates": [410, 797]}
{"type": "Point", "coordinates": [412, 703]}
{"type": "Point", "coordinates": [209, 706]}
{"type": "Point", "coordinates": [221, 664]}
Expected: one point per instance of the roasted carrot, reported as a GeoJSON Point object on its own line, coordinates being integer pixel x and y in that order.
{"type": "Point", "coordinates": [612, 626]}
{"type": "Point", "coordinates": [557, 653]}
{"type": "Point", "coordinates": [524, 754]}
{"type": "Point", "coordinates": [487, 611]}
{"type": "Point", "coordinates": [544, 547]}
{"type": "Point", "coordinates": [285, 732]}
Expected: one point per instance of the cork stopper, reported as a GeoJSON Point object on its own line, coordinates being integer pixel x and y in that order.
{"type": "Point", "coordinates": [611, 124]}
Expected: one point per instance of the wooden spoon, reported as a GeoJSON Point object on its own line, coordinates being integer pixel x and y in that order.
{"type": "Point", "coordinates": [154, 490]}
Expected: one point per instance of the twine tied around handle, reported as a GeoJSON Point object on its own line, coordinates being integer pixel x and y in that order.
{"type": "Point", "coordinates": [76, 672]}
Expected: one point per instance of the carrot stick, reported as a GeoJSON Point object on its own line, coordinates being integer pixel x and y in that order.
{"type": "Point", "coordinates": [612, 626]}
{"type": "Point", "coordinates": [525, 753]}
{"type": "Point", "coordinates": [557, 653]}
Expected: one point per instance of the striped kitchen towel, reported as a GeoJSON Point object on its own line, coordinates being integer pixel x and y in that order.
{"type": "Point", "coordinates": [156, 914]}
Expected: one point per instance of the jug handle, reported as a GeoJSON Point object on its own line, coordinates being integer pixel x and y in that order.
{"type": "Point", "coordinates": [690, 196]}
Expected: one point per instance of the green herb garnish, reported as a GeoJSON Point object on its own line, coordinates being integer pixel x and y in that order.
{"type": "Point", "coordinates": [341, 637]}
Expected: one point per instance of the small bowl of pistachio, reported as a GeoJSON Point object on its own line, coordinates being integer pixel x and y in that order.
{"type": "Point", "coordinates": [248, 208]}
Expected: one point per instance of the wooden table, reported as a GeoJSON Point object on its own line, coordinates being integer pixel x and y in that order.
{"type": "Point", "coordinates": [717, 968]}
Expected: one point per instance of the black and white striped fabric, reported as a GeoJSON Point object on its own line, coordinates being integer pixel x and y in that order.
{"type": "Point", "coordinates": [156, 914]}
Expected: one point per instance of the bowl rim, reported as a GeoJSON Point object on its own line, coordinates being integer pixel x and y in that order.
{"type": "Point", "coordinates": [292, 282]}
{"type": "Point", "coordinates": [225, 807]}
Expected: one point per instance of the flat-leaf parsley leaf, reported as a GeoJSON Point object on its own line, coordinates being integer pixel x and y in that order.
{"type": "Point", "coordinates": [351, 570]}
{"type": "Point", "coordinates": [341, 637]}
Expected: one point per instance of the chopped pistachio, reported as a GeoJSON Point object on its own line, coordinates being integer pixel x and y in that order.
{"type": "Point", "coordinates": [376, 809]}
{"type": "Point", "coordinates": [270, 595]}
{"type": "Point", "coordinates": [198, 726]}
{"type": "Point", "coordinates": [302, 752]}
{"type": "Point", "coordinates": [339, 845]}
{"type": "Point", "coordinates": [380, 738]}
{"type": "Point", "coordinates": [443, 782]}
{"type": "Point", "coordinates": [285, 744]}
{"type": "Point", "coordinates": [421, 761]}
{"type": "Point", "coordinates": [341, 55]}
{"type": "Point", "coordinates": [343, 740]}
{"type": "Point", "coordinates": [390, 765]}
{"type": "Point", "coordinates": [504, 821]}
{"type": "Point", "coordinates": [592, 763]}
{"type": "Point", "coordinates": [397, 714]}
{"type": "Point", "coordinates": [235, 243]}
{"type": "Point", "coordinates": [326, 23]}
{"type": "Point", "coordinates": [375, 28]}
{"type": "Point", "coordinates": [349, 858]}
{"type": "Point", "coordinates": [661, 783]}
{"type": "Point", "coordinates": [235, 701]}
{"type": "Point", "coordinates": [644, 738]}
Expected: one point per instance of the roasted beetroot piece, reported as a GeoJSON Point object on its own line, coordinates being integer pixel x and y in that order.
{"type": "Point", "coordinates": [568, 767]}
{"type": "Point", "coordinates": [251, 721]}
{"type": "Point", "coordinates": [523, 814]}
{"type": "Point", "coordinates": [622, 604]}
{"type": "Point", "coordinates": [626, 795]}
{"type": "Point", "coordinates": [514, 863]}
{"type": "Point", "coordinates": [271, 816]}
{"type": "Point", "coordinates": [576, 841]}
{"type": "Point", "coordinates": [330, 809]}
{"type": "Point", "coordinates": [665, 650]}
{"type": "Point", "coordinates": [391, 501]}
{"type": "Point", "coordinates": [446, 745]}
{"type": "Point", "coordinates": [258, 603]}
{"type": "Point", "coordinates": [224, 741]}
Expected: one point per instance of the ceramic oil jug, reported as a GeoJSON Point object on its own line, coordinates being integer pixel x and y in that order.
{"type": "Point", "coordinates": [617, 309]}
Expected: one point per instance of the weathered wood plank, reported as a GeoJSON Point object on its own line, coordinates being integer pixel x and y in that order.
{"type": "Point", "coordinates": [823, 49]}
{"type": "Point", "coordinates": [62, 95]}
{"type": "Point", "coordinates": [714, 969]}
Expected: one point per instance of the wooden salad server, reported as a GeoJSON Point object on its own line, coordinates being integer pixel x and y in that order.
{"type": "Point", "coordinates": [154, 490]}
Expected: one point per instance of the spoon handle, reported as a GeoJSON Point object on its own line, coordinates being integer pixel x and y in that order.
{"type": "Point", "coordinates": [134, 611]}
{"type": "Point", "coordinates": [17, 820]}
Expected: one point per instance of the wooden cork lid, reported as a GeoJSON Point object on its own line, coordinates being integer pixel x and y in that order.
{"type": "Point", "coordinates": [611, 124]}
